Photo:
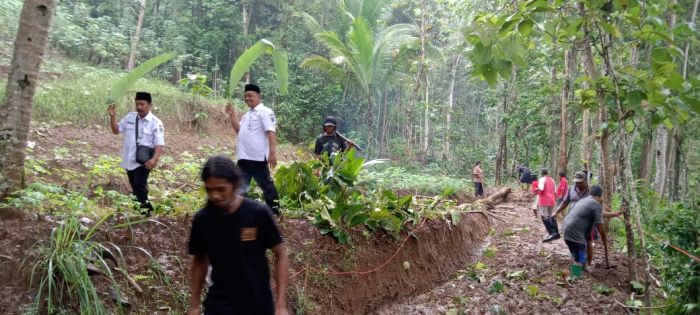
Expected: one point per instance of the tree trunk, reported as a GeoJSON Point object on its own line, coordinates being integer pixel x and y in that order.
{"type": "Point", "coordinates": [569, 68]}
{"type": "Point", "coordinates": [382, 134]}
{"type": "Point", "coordinates": [555, 124]}
{"type": "Point", "coordinates": [501, 155]}
{"type": "Point", "coordinates": [589, 66]}
{"type": "Point", "coordinates": [646, 158]}
{"type": "Point", "coordinates": [16, 111]}
{"type": "Point", "coordinates": [426, 125]}
{"type": "Point", "coordinates": [662, 135]}
{"type": "Point", "coordinates": [246, 23]}
{"type": "Point", "coordinates": [135, 41]}
{"type": "Point", "coordinates": [370, 106]}
{"type": "Point", "coordinates": [499, 197]}
{"type": "Point", "coordinates": [450, 105]}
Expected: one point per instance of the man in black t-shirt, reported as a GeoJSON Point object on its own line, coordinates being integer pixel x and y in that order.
{"type": "Point", "coordinates": [329, 141]}
{"type": "Point", "coordinates": [232, 233]}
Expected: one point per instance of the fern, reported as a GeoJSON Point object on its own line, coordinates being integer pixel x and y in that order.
{"type": "Point", "coordinates": [124, 83]}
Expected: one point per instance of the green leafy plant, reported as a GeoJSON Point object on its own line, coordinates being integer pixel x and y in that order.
{"type": "Point", "coordinates": [124, 83]}
{"type": "Point", "coordinates": [61, 265]}
{"type": "Point", "coordinates": [246, 60]}
{"type": "Point", "coordinates": [496, 287]}
{"type": "Point", "coordinates": [330, 191]}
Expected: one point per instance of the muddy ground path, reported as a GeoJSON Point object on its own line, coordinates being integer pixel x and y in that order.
{"type": "Point", "coordinates": [531, 275]}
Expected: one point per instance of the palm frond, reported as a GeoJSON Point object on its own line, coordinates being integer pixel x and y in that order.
{"type": "Point", "coordinates": [325, 66]}
{"type": "Point", "coordinates": [361, 42]}
{"type": "Point", "coordinates": [311, 24]}
{"type": "Point", "coordinates": [389, 39]}
{"type": "Point", "coordinates": [119, 88]}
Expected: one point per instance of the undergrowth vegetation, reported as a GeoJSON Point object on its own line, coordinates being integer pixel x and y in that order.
{"type": "Point", "coordinates": [334, 196]}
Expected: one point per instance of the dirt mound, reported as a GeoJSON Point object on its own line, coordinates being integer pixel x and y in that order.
{"type": "Point", "coordinates": [320, 278]}
{"type": "Point", "coordinates": [426, 260]}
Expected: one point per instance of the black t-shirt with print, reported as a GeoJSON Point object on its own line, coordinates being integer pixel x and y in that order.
{"type": "Point", "coordinates": [235, 245]}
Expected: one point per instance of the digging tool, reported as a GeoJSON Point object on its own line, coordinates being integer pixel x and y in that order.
{"type": "Point", "coordinates": [607, 260]}
{"type": "Point", "coordinates": [349, 141]}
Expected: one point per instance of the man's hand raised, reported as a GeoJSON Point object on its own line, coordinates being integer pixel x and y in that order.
{"type": "Point", "coordinates": [111, 110]}
{"type": "Point", "coordinates": [230, 111]}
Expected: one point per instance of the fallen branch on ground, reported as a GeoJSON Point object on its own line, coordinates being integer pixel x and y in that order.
{"type": "Point", "coordinates": [495, 199]}
{"type": "Point", "coordinates": [643, 307]}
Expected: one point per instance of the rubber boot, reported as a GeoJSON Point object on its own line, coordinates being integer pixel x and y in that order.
{"type": "Point", "coordinates": [555, 229]}
{"type": "Point", "coordinates": [547, 225]}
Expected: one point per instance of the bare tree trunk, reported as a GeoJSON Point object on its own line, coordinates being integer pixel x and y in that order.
{"type": "Point", "coordinates": [370, 107]}
{"type": "Point", "coordinates": [419, 76]}
{"type": "Point", "coordinates": [591, 71]}
{"type": "Point", "coordinates": [646, 159]}
{"type": "Point", "coordinates": [502, 154]}
{"type": "Point", "coordinates": [555, 124]}
{"type": "Point", "coordinates": [662, 138]}
{"type": "Point", "coordinates": [450, 103]}
{"type": "Point", "coordinates": [135, 41]}
{"type": "Point", "coordinates": [687, 44]}
{"type": "Point", "coordinates": [569, 68]}
{"type": "Point", "coordinates": [426, 125]}
{"type": "Point", "coordinates": [16, 111]}
{"type": "Point", "coordinates": [246, 23]}
{"type": "Point", "coordinates": [382, 135]}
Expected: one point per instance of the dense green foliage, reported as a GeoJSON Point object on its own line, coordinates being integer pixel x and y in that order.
{"type": "Point", "coordinates": [337, 201]}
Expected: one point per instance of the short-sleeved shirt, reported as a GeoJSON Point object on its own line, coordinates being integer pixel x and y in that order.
{"type": "Point", "coordinates": [329, 144]}
{"type": "Point", "coordinates": [545, 192]}
{"type": "Point", "coordinates": [581, 219]}
{"type": "Point", "coordinates": [573, 196]}
{"type": "Point", "coordinates": [562, 188]}
{"type": "Point", "coordinates": [151, 134]}
{"type": "Point", "coordinates": [253, 143]}
{"type": "Point", "coordinates": [235, 245]}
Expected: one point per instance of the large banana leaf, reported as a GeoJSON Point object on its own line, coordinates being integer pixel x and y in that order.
{"type": "Point", "coordinates": [119, 88]}
{"type": "Point", "coordinates": [246, 60]}
{"type": "Point", "coordinates": [279, 57]}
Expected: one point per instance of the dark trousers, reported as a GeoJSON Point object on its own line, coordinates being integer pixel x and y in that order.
{"type": "Point", "coordinates": [478, 189]}
{"type": "Point", "coordinates": [259, 171]}
{"type": "Point", "coordinates": [138, 179]}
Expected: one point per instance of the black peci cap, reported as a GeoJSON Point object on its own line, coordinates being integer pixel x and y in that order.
{"type": "Point", "coordinates": [252, 87]}
{"type": "Point", "coordinates": [143, 96]}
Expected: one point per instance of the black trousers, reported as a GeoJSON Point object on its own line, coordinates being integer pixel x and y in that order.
{"type": "Point", "coordinates": [478, 189]}
{"type": "Point", "coordinates": [259, 171]}
{"type": "Point", "coordinates": [138, 179]}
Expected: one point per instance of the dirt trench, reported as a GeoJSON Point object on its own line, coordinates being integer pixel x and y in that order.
{"type": "Point", "coordinates": [425, 261]}
{"type": "Point", "coordinates": [427, 258]}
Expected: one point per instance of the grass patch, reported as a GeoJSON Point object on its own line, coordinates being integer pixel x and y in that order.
{"type": "Point", "coordinates": [398, 178]}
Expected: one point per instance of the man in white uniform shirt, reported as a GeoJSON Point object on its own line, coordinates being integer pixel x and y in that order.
{"type": "Point", "coordinates": [256, 145]}
{"type": "Point", "coordinates": [149, 130]}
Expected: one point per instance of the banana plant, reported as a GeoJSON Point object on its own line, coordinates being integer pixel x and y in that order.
{"type": "Point", "coordinates": [246, 60]}
{"type": "Point", "coordinates": [119, 88]}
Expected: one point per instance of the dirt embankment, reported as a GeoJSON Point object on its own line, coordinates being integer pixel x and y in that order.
{"type": "Point", "coordinates": [320, 282]}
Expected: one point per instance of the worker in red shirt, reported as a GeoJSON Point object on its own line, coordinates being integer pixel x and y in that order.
{"type": "Point", "coordinates": [545, 204]}
{"type": "Point", "coordinates": [562, 188]}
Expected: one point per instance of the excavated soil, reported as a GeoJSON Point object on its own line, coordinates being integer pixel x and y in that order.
{"type": "Point", "coordinates": [427, 258]}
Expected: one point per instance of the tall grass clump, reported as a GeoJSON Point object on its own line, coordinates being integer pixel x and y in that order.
{"type": "Point", "coordinates": [61, 266]}
{"type": "Point", "coordinates": [76, 92]}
